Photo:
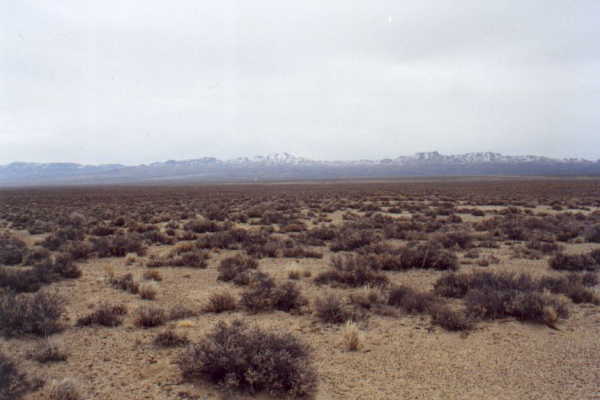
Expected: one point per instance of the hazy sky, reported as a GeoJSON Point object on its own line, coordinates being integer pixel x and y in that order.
{"type": "Point", "coordinates": [140, 81]}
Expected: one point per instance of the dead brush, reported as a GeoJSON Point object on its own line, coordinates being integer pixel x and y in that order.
{"type": "Point", "coordinates": [220, 302]}
{"type": "Point", "coordinates": [148, 290]}
{"type": "Point", "coordinates": [351, 337]}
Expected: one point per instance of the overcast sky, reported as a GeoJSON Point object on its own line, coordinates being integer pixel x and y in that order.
{"type": "Point", "coordinates": [140, 81]}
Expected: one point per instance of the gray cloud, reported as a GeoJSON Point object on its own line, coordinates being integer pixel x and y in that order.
{"type": "Point", "coordinates": [127, 81]}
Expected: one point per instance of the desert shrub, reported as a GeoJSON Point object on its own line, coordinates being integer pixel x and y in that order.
{"type": "Point", "coordinates": [544, 247]}
{"type": "Point", "coordinates": [332, 310]}
{"type": "Point", "coordinates": [103, 230]}
{"type": "Point", "coordinates": [412, 301]}
{"type": "Point", "coordinates": [351, 271]}
{"type": "Point", "coordinates": [451, 320]}
{"type": "Point", "coordinates": [525, 306]}
{"type": "Point", "coordinates": [12, 250]}
{"type": "Point", "coordinates": [265, 295]}
{"type": "Point", "coordinates": [118, 245]}
{"type": "Point", "coordinates": [105, 315]}
{"type": "Point", "coordinates": [294, 274]}
{"type": "Point", "coordinates": [575, 262]}
{"type": "Point", "coordinates": [125, 282]}
{"type": "Point", "coordinates": [233, 267]}
{"type": "Point", "coordinates": [49, 350]}
{"type": "Point", "coordinates": [590, 279]}
{"type": "Point", "coordinates": [459, 239]}
{"type": "Point", "coordinates": [38, 313]}
{"type": "Point", "coordinates": [220, 302]}
{"type": "Point", "coordinates": [574, 286]}
{"type": "Point", "coordinates": [203, 226]}
{"type": "Point", "coordinates": [65, 389]}
{"type": "Point", "coordinates": [149, 317]}
{"type": "Point", "coordinates": [36, 256]}
{"type": "Point", "coordinates": [170, 338]}
{"type": "Point", "coordinates": [425, 256]}
{"type": "Point", "coordinates": [64, 266]}
{"type": "Point", "coordinates": [351, 239]}
{"type": "Point", "coordinates": [148, 290]}
{"type": "Point", "coordinates": [252, 360]}
{"type": "Point", "coordinates": [301, 252]}
{"type": "Point", "coordinates": [152, 275]}
{"type": "Point", "coordinates": [592, 234]}
{"type": "Point", "coordinates": [79, 250]}
{"type": "Point", "coordinates": [194, 259]}
{"type": "Point", "coordinates": [180, 312]}
{"type": "Point", "coordinates": [457, 285]}
{"type": "Point", "coordinates": [13, 383]}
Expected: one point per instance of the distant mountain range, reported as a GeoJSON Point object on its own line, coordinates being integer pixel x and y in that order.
{"type": "Point", "coordinates": [284, 166]}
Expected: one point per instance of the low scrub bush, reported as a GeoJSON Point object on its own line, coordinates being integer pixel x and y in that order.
{"type": "Point", "coordinates": [245, 359]}
{"type": "Point", "coordinates": [170, 338]}
{"type": "Point", "coordinates": [12, 250]}
{"type": "Point", "coordinates": [220, 302]}
{"type": "Point", "coordinates": [49, 350]}
{"type": "Point", "coordinates": [351, 271]}
{"type": "Point", "coordinates": [576, 262]}
{"type": "Point", "coordinates": [149, 317]}
{"type": "Point", "coordinates": [37, 314]}
{"type": "Point", "coordinates": [233, 268]}
{"type": "Point", "coordinates": [13, 383]}
{"type": "Point", "coordinates": [105, 315]}
{"type": "Point", "coordinates": [265, 295]}
{"type": "Point", "coordinates": [331, 309]}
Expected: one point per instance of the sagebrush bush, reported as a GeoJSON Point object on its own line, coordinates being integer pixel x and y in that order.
{"type": "Point", "coordinates": [49, 350]}
{"type": "Point", "coordinates": [12, 250]}
{"type": "Point", "coordinates": [148, 290]}
{"type": "Point", "coordinates": [220, 302]}
{"type": "Point", "coordinates": [149, 317]}
{"type": "Point", "coordinates": [232, 267]}
{"type": "Point", "coordinates": [38, 314]}
{"type": "Point", "coordinates": [576, 262]}
{"type": "Point", "coordinates": [170, 338]}
{"type": "Point", "coordinates": [412, 301]}
{"type": "Point", "coordinates": [450, 320]}
{"type": "Point", "coordinates": [351, 271]}
{"type": "Point", "coordinates": [13, 383]}
{"type": "Point", "coordinates": [105, 315]}
{"type": "Point", "coordinates": [265, 295]}
{"type": "Point", "coordinates": [245, 359]}
{"type": "Point", "coordinates": [65, 389]}
{"type": "Point", "coordinates": [332, 310]}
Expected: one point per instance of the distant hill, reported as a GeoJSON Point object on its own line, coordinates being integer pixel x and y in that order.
{"type": "Point", "coordinates": [284, 166]}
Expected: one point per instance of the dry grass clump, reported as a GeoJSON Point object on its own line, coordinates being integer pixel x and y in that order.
{"type": "Point", "coordinates": [149, 317]}
{"type": "Point", "coordinates": [351, 271]}
{"type": "Point", "coordinates": [220, 302]}
{"type": "Point", "coordinates": [351, 337]}
{"type": "Point", "coordinates": [38, 314]}
{"type": "Point", "coordinates": [170, 338]}
{"type": "Point", "coordinates": [105, 315]}
{"type": "Point", "coordinates": [148, 290]}
{"type": "Point", "coordinates": [236, 268]}
{"type": "Point", "coordinates": [251, 360]}
{"type": "Point", "coordinates": [49, 350]}
{"type": "Point", "coordinates": [66, 389]}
